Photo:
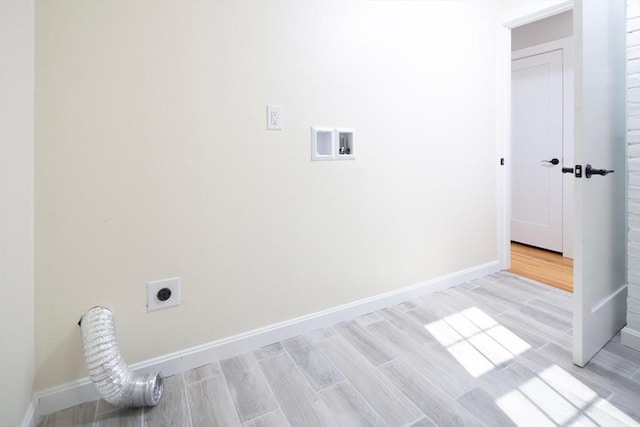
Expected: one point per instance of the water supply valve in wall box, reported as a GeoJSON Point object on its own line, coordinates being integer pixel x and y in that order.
{"type": "Point", "coordinates": [345, 149]}
{"type": "Point", "coordinates": [332, 144]}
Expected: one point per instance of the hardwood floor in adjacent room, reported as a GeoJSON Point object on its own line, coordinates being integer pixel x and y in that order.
{"type": "Point", "coordinates": [542, 265]}
{"type": "Point", "coordinates": [492, 352]}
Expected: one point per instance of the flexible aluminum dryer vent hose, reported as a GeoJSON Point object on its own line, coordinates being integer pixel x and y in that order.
{"type": "Point", "coordinates": [116, 383]}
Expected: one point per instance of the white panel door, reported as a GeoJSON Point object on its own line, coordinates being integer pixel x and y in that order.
{"type": "Point", "coordinates": [600, 294]}
{"type": "Point", "coordinates": [536, 153]}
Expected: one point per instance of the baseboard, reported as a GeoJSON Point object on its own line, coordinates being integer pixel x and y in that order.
{"type": "Point", "coordinates": [83, 390]}
{"type": "Point", "coordinates": [29, 419]}
{"type": "Point", "coordinates": [630, 337]}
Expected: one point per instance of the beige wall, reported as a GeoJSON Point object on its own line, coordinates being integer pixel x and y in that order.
{"type": "Point", "coordinates": [16, 210]}
{"type": "Point", "coordinates": [153, 160]}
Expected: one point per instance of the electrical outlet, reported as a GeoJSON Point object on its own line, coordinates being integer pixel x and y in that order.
{"type": "Point", "coordinates": [163, 293]}
{"type": "Point", "coordinates": [274, 117]}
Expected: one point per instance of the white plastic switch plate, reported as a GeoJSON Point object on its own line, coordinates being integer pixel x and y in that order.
{"type": "Point", "coordinates": [153, 303]}
{"type": "Point", "coordinates": [274, 117]}
{"type": "Point", "coordinates": [322, 143]}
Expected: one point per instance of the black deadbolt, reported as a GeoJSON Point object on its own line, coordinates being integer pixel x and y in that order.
{"type": "Point", "coordinates": [164, 294]}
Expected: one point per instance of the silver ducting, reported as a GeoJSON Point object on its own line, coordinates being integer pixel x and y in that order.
{"type": "Point", "coordinates": [116, 383]}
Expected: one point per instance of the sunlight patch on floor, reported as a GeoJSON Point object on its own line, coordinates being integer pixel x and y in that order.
{"type": "Point", "coordinates": [556, 398]}
{"type": "Point", "coordinates": [550, 398]}
{"type": "Point", "coordinates": [477, 341]}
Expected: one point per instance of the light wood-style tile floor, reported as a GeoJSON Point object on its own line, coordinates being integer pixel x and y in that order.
{"type": "Point", "coordinates": [493, 352]}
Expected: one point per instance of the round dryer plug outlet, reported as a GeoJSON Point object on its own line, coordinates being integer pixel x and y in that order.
{"type": "Point", "coordinates": [164, 294]}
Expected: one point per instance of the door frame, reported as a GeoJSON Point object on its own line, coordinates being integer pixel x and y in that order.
{"type": "Point", "coordinates": [566, 45]}
{"type": "Point", "coordinates": [536, 11]}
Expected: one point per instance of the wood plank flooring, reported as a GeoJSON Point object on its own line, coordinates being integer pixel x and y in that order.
{"type": "Point", "coordinates": [542, 265]}
{"type": "Point", "coordinates": [492, 352]}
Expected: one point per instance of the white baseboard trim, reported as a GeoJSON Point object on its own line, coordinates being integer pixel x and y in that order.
{"type": "Point", "coordinates": [630, 338]}
{"type": "Point", "coordinates": [83, 390]}
{"type": "Point", "coordinates": [30, 416]}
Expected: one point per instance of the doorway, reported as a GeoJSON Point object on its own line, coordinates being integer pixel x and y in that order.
{"type": "Point", "coordinates": [541, 222]}
{"type": "Point", "coordinates": [600, 287]}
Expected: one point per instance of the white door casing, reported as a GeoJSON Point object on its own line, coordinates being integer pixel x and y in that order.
{"type": "Point", "coordinates": [600, 291]}
{"type": "Point", "coordinates": [537, 139]}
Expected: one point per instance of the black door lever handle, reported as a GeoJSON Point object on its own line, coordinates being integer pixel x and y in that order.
{"type": "Point", "coordinates": [567, 170]}
{"type": "Point", "coordinates": [590, 171]}
{"type": "Point", "coordinates": [553, 161]}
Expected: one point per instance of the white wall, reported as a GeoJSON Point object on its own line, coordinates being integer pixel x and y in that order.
{"type": "Point", "coordinates": [631, 333]}
{"type": "Point", "coordinates": [16, 210]}
{"type": "Point", "coordinates": [153, 160]}
{"type": "Point", "coordinates": [543, 31]}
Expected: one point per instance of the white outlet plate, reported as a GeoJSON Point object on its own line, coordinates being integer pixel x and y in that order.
{"type": "Point", "coordinates": [274, 117]}
{"type": "Point", "coordinates": [153, 303]}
